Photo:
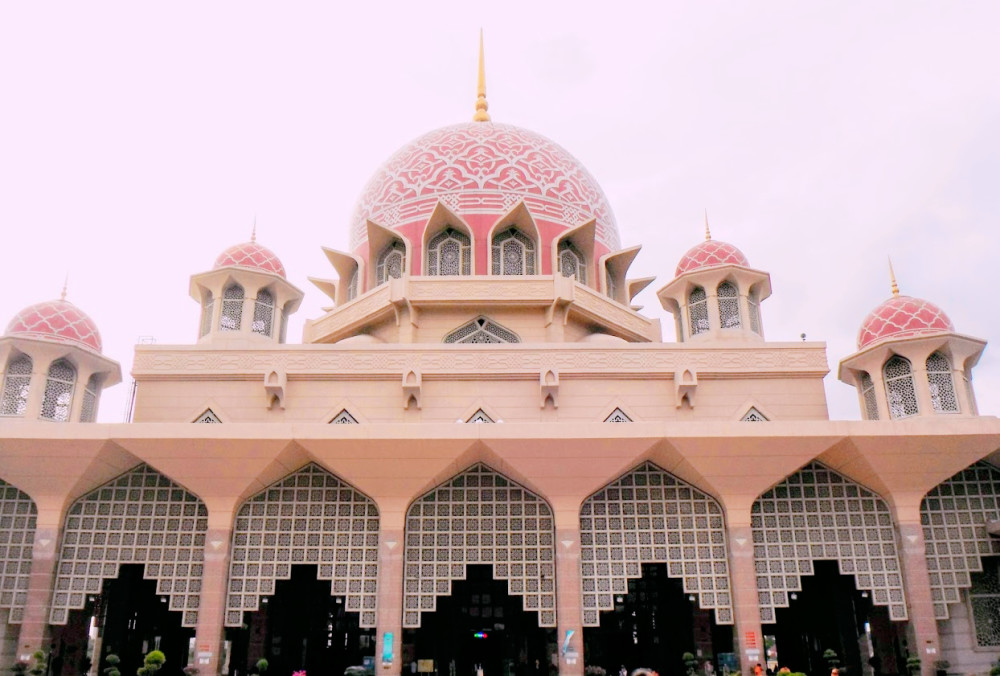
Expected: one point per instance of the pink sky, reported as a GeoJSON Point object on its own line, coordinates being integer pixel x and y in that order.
{"type": "Point", "coordinates": [139, 140]}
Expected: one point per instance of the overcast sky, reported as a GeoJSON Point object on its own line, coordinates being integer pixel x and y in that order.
{"type": "Point", "coordinates": [138, 140]}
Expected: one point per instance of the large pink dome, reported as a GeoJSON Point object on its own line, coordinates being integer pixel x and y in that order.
{"type": "Point", "coordinates": [483, 168]}
{"type": "Point", "coordinates": [710, 253]}
{"type": "Point", "coordinates": [902, 317]}
{"type": "Point", "coordinates": [251, 255]}
{"type": "Point", "coordinates": [57, 320]}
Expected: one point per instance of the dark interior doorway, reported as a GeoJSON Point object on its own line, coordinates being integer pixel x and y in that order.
{"type": "Point", "coordinates": [830, 613]}
{"type": "Point", "coordinates": [300, 627]}
{"type": "Point", "coordinates": [480, 623]}
{"type": "Point", "coordinates": [129, 619]}
{"type": "Point", "coordinates": [653, 625]}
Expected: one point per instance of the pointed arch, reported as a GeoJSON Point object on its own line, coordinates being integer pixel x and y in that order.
{"type": "Point", "coordinates": [482, 330]}
{"type": "Point", "coordinates": [231, 318]}
{"type": "Point", "coordinates": [263, 313]}
{"type": "Point", "coordinates": [448, 243]}
{"type": "Point", "coordinates": [941, 383]}
{"type": "Point", "coordinates": [899, 390]}
{"type": "Point", "coordinates": [139, 517]}
{"type": "Point", "coordinates": [207, 309]}
{"type": "Point", "coordinates": [819, 514]}
{"type": "Point", "coordinates": [309, 517]}
{"type": "Point", "coordinates": [697, 307]}
{"type": "Point", "coordinates": [18, 519]}
{"type": "Point", "coordinates": [57, 400]}
{"type": "Point", "coordinates": [650, 516]}
{"type": "Point", "coordinates": [489, 519]}
{"type": "Point", "coordinates": [867, 386]}
{"type": "Point", "coordinates": [91, 395]}
{"type": "Point", "coordinates": [16, 386]}
{"type": "Point", "coordinates": [729, 305]}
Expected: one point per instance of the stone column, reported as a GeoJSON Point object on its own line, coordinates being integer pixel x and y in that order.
{"type": "Point", "coordinates": [34, 633]}
{"type": "Point", "coordinates": [922, 629]}
{"type": "Point", "coordinates": [210, 631]}
{"type": "Point", "coordinates": [569, 596]}
{"type": "Point", "coordinates": [748, 640]}
{"type": "Point", "coordinates": [389, 616]}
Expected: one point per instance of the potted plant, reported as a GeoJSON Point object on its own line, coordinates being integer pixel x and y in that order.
{"type": "Point", "coordinates": [261, 666]}
{"type": "Point", "coordinates": [831, 659]}
{"type": "Point", "coordinates": [39, 663]}
{"type": "Point", "coordinates": [152, 663]}
{"type": "Point", "coordinates": [594, 670]}
{"type": "Point", "coordinates": [690, 663]}
{"type": "Point", "coordinates": [112, 661]}
{"type": "Point", "coordinates": [913, 664]}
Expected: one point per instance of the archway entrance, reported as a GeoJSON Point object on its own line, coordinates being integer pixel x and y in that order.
{"type": "Point", "coordinates": [301, 627]}
{"type": "Point", "coordinates": [653, 625]}
{"type": "Point", "coordinates": [831, 614]}
{"type": "Point", "coordinates": [129, 619]}
{"type": "Point", "coordinates": [480, 623]}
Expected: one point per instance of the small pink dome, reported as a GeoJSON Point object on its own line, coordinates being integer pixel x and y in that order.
{"type": "Point", "coordinates": [710, 253]}
{"type": "Point", "coordinates": [57, 320]}
{"type": "Point", "coordinates": [902, 317]}
{"type": "Point", "coordinates": [250, 255]}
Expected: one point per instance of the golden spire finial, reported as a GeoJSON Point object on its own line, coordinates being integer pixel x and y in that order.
{"type": "Point", "coordinates": [481, 105]}
{"type": "Point", "coordinates": [708, 233]}
{"type": "Point", "coordinates": [892, 279]}
{"type": "Point", "coordinates": [62, 296]}
{"type": "Point", "coordinates": [253, 233]}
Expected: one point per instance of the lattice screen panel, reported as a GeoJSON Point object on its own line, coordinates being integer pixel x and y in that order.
{"type": "Point", "coordinates": [479, 517]}
{"type": "Point", "coordinates": [954, 516]}
{"type": "Point", "coordinates": [17, 535]}
{"type": "Point", "coordinates": [309, 517]}
{"type": "Point", "coordinates": [649, 516]}
{"type": "Point", "coordinates": [818, 514]}
{"type": "Point", "coordinates": [140, 517]}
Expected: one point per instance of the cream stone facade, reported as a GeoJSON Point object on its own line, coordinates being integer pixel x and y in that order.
{"type": "Point", "coordinates": [482, 396]}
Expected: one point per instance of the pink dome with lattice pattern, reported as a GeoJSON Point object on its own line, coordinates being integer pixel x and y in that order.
{"type": "Point", "coordinates": [57, 320]}
{"type": "Point", "coordinates": [251, 255]}
{"type": "Point", "coordinates": [710, 253]}
{"type": "Point", "coordinates": [902, 317]}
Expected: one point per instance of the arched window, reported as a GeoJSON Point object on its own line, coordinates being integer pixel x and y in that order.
{"type": "Point", "coordinates": [263, 313]}
{"type": "Point", "coordinates": [391, 262]}
{"type": "Point", "coordinates": [513, 253]}
{"type": "Point", "coordinates": [612, 286]}
{"type": "Point", "coordinates": [232, 308]}
{"type": "Point", "coordinates": [283, 331]}
{"type": "Point", "coordinates": [941, 384]}
{"type": "Point", "coordinates": [16, 384]}
{"type": "Point", "coordinates": [482, 330]}
{"type": "Point", "coordinates": [206, 314]}
{"type": "Point", "coordinates": [698, 311]}
{"type": "Point", "coordinates": [88, 412]}
{"type": "Point", "coordinates": [449, 253]}
{"type": "Point", "coordinates": [868, 394]}
{"type": "Point", "coordinates": [58, 397]}
{"type": "Point", "coordinates": [729, 306]}
{"type": "Point", "coordinates": [901, 396]}
{"type": "Point", "coordinates": [571, 262]}
{"type": "Point", "coordinates": [352, 285]}
{"type": "Point", "coordinates": [753, 309]}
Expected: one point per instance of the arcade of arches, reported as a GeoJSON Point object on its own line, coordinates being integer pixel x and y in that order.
{"type": "Point", "coordinates": [480, 575]}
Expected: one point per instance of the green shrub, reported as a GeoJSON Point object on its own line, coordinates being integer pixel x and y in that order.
{"type": "Point", "coordinates": [261, 666]}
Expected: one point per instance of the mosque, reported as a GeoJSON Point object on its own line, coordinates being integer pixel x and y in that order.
{"type": "Point", "coordinates": [483, 456]}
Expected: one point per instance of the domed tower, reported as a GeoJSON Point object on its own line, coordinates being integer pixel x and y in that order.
{"type": "Point", "coordinates": [245, 297]}
{"type": "Point", "coordinates": [715, 294]}
{"type": "Point", "coordinates": [911, 362]}
{"type": "Point", "coordinates": [53, 368]}
{"type": "Point", "coordinates": [489, 214]}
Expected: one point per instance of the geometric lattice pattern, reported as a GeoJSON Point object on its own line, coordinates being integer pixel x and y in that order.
{"type": "Point", "coordinates": [17, 535]}
{"type": "Point", "coordinates": [941, 384]}
{"type": "Point", "coordinates": [753, 415]}
{"type": "Point", "coordinates": [310, 517]}
{"type": "Point", "coordinates": [901, 317]}
{"type": "Point", "coordinates": [954, 515]}
{"type": "Point", "coordinates": [698, 311]}
{"type": "Point", "coordinates": [344, 418]}
{"type": "Point", "coordinates": [984, 597]}
{"type": "Point", "coordinates": [649, 516]}
{"type": "Point", "coordinates": [208, 417]}
{"type": "Point", "coordinates": [477, 517]}
{"type": "Point", "coordinates": [56, 320]}
{"type": "Point", "coordinates": [709, 254]}
{"type": "Point", "coordinates": [618, 416]}
{"type": "Point", "coordinates": [140, 517]}
{"type": "Point", "coordinates": [482, 330]}
{"type": "Point", "coordinates": [818, 514]}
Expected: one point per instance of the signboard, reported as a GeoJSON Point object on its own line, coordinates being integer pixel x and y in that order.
{"type": "Point", "coordinates": [386, 648]}
{"type": "Point", "coordinates": [751, 639]}
{"type": "Point", "coordinates": [425, 666]}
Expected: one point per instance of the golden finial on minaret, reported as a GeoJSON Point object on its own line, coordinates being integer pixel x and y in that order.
{"type": "Point", "coordinates": [481, 105]}
{"type": "Point", "coordinates": [62, 296]}
{"type": "Point", "coordinates": [253, 233]}
{"type": "Point", "coordinates": [708, 233]}
{"type": "Point", "coordinates": [892, 279]}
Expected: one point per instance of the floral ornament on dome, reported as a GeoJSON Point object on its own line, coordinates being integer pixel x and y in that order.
{"type": "Point", "coordinates": [57, 320]}
{"type": "Point", "coordinates": [251, 255]}
{"type": "Point", "coordinates": [710, 253]}
{"type": "Point", "coordinates": [902, 317]}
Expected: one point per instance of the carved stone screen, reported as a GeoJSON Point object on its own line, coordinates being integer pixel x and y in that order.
{"type": "Point", "coordinates": [649, 516]}
{"type": "Point", "coordinates": [954, 516]}
{"type": "Point", "coordinates": [818, 514]}
{"type": "Point", "coordinates": [140, 517]}
{"type": "Point", "coordinates": [17, 536]}
{"type": "Point", "coordinates": [479, 517]}
{"type": "Point", "coordinates": [309, 517]}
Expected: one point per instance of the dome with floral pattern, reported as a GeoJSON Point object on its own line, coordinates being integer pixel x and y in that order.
{"type": "Point", "coordinates": [902, 317]}
{"type": "Point", "coordinates": [57, 320]}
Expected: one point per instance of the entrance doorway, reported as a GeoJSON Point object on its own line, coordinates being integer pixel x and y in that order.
{"type": "Point", "coordinates": [128, 619]}
{"type": "Point", "coordinates": [479, 624]}
{"type": "Point", "coordinates": [300, 627]}
{"type": "Point", "coordinates": [831, 614]}
{"type": "Point", "coordinates": [653, 625]}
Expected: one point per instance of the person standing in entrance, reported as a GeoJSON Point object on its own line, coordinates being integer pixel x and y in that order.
{"type": "Point", "coordinates": [758, 670]}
